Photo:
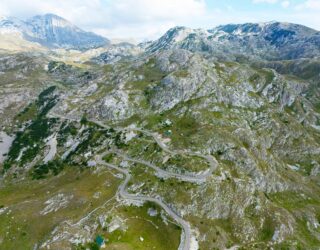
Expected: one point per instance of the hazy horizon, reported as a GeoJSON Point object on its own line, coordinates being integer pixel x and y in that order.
{"type": "Point", "coordinates": [144, 20]}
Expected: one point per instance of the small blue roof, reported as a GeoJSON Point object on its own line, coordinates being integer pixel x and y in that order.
{"type": "Point", "coordinates": [99, 240]}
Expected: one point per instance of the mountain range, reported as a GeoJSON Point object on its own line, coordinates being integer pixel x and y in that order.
{"type": "Point", "coordinates": [270, 41]}
{"type": "Point", "coordinates": [201, 139]}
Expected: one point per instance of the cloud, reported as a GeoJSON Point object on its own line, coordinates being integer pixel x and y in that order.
{"type": "Point", "coordinates": [309, 5]}
{"type": "Point", "coordinates": [285, 4]}
{"type": "Point", "coordinates": [120, 18]}
{"type": "Point", "coordinates": [265, 1]}
{"type": "Point", "coordinates": [165, 10]}
{"type": "Point", "coordinates": [145, 18]}
{"type": "Point", "coordinates": [148, 19]}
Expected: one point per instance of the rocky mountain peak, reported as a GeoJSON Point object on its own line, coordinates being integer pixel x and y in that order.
{"type": "Point", "coordinates": [52, 20]}
{"type": "Point", "coordinates": [212, 138]}
{"type": "Point", "coordinates": [271, 41]}
{"type": "Point", "coordinates": [175, 36]}
{"type": "Point", "coordinates": [53, 31]}
{"type": "Point", "coordinates": [10, 23]}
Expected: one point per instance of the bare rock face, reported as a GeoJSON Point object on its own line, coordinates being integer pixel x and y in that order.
{"type": "Point", "coordinates": [116, 106]}
{"type": "Point", "coordinates": [205, 122]}
{"type": "Point", "coordinates": [53, 31]}
{"type": "Point", "coordinates": [271, 41]}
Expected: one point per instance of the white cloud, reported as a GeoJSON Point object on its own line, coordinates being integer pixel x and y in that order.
{"type": "Point", "coordinates": [265, 1]}
{"type": "Point", "coordinates": [148, 19]}
{"type": "Point", "coordinates": [309, 5]}
{"type": "Point", "coordinates": [145, 18]}
{"type": "Point", "coordinates": [120, 18]}
{"type": "Point", "coordinates": [159, 9]}
{"type": "Point", "coordinates": [285, 4]}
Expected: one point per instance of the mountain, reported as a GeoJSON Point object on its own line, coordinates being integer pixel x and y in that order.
{"type": "Point", "coordinates": [202, 139]}
{"type": "Point", "coordinates": [270, 41]}
{"type": "Point", "coordinates": [117, 52]}
{"type": "Point", "coordinates": [52, 31]}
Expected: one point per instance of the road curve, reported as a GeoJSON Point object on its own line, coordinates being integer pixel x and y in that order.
{"type": "Point", "coordinates": [196, 178]}
{"type": "Point", "coordinates": [185, 242]}
{"type": "Point", "coordinates": [191, 177]}
{"type": "Point", "coordinates": [201, 177]}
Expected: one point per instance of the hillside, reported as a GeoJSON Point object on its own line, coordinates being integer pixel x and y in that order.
{"type": "Point", "coordinates": [202, 139]}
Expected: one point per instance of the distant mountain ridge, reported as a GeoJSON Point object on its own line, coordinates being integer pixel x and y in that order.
{"type": "Point", "coordinates": [52, 31]}
{"type": "Point", "coordinates": [271, 41]}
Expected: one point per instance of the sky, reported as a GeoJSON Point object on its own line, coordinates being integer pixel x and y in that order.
{"type": "Point", "coordinates": [148, 19]}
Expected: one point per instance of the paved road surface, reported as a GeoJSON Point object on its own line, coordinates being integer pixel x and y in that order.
{"type": "Point", "coordinates": [185, 243]}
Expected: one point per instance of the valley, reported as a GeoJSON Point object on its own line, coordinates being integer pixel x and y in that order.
{"type": "Point", "coordinates": [201, 139]}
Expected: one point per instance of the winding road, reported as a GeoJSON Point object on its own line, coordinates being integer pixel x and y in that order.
{"type": "Point", "coordinates": [200, 177]}
{"type": "Point", "coordinates": [186, 237]}
{"type": "Point", "coordinates": [185, 243]}
{"type": "Point", "coordinates": [196, 178]}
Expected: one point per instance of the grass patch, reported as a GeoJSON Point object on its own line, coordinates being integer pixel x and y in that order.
{"type": "Point", "coordinates": [27, 227]}
{"type": "Point", "coordinates": [268, 229]}
{"type": "Point", "coordinates": [151, 75]}
{"type": "Point", "coordinates": [181, 74]}
{"type": "Point", "coordinates": [182, 129]}
{"type": "Point", "coordinates": [155, 233]}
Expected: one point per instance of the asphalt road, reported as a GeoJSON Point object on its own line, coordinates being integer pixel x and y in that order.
{"type": "Point", "coordinates": [185, 242]}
